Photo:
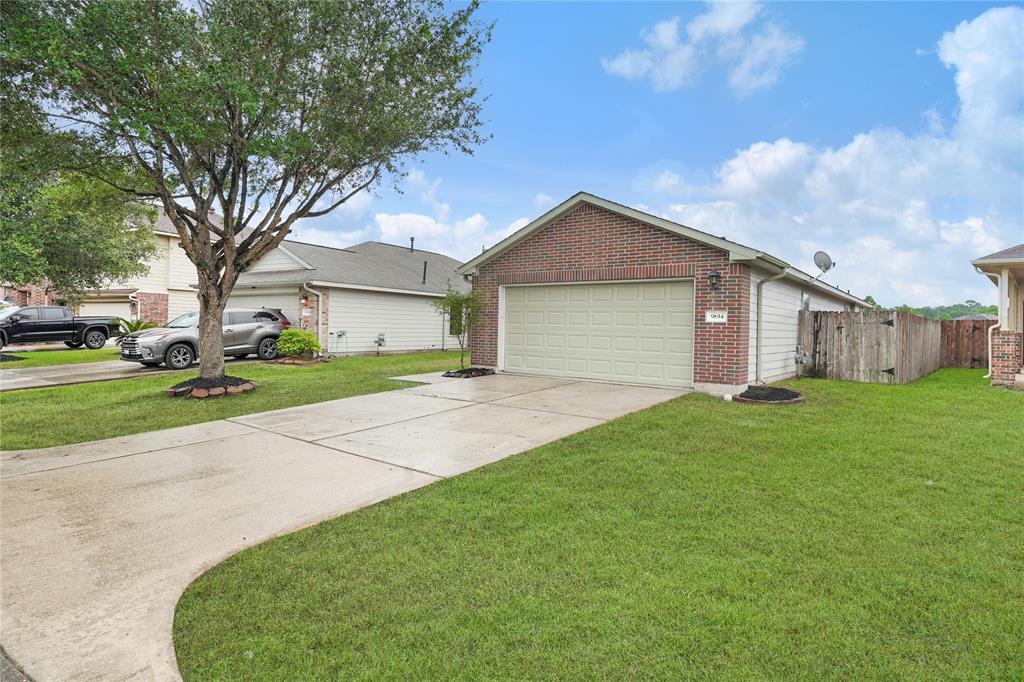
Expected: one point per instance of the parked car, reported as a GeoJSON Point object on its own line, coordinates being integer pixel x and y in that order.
{"type": "Point", "coordinates": [22, 324]}
{"type": "Point", "coordinates": [246, 331]}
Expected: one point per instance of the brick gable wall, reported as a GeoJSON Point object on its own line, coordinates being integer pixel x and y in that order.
{"type": "Point", "coordinates": [591, 244]}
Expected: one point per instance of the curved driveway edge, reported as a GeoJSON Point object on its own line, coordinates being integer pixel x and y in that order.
{"type": "Point", "coordinates": [99, 540]}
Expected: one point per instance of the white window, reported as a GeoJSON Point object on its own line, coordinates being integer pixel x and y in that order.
{"type": "Point", "coordinates": [805, 300]}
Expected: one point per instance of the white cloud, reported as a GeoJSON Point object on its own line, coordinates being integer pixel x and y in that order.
{"type": "Point", "coordinates": [543, 201]}
{"type": "Point", "coordinates": [670, 62]}
{"type": "Point", "coordinates": [762, 58]}
{"type": "Point", "coordinates": [428, 195]}
{"type": "Point", "coordinates": [312, 234]}
{"type": "Point", "coordinates": [671, 183]}
{"type": "Point", "coordinates": [722, 19]}
{"type": "Point", "coordinates": [901, 213]}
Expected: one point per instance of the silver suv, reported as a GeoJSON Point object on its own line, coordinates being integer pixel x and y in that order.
{"type": "Point", "coordinates": [246, 331]}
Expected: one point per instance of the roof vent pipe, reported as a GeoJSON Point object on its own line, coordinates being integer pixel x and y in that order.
{"type": "Point", "coordinates": [424, 272]}
{"type": "Point", "coordinates": [412, 242]}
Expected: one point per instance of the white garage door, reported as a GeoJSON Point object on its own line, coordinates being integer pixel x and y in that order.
{"type": "Point", "coordinates": [106, 308]}
{"type": "Point", "coordinates": [638, 333]}
{"type": "Point", "coordinates": [288, 302]}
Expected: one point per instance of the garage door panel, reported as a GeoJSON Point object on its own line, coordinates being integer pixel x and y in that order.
{"type": "Point", "coordinates": [631, 332]}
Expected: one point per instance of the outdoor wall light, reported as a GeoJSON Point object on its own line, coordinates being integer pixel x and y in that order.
{"type": "Point", "coordinates": [714, 278]}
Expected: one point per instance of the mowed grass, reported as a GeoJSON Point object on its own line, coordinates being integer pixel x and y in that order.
{"type": "Point", "coordinates": [45, 358]}
{"type": "Point", "coordinates": [873, 532]}
{"type": "Point", "coordinates": [42, 417]}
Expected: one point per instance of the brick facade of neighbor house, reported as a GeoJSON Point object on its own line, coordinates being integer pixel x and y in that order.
{"type": "Point", "coordinates": [30, 294]}
{"type": "Point", "coordinates": [591, 244]}
{"type": "Point", "coordinates": [308, 302]}
{"type": "Point", "coordinates": [1006, 356]}
{"type": "Point", "coordinates": [152, 308]}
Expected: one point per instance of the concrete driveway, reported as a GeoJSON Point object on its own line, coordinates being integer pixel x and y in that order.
{"type": "Point", "coordinates": [98, 540]}
{"type": "Point", "coordinates": [59, 375]}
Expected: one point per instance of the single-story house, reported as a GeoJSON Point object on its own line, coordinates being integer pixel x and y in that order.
{"type": "Point", "coordinates": [351, 296]}
{"type": "Point", "coordinates": [1006, 346]}
{"type": "Point", "coordinates": [597, 290]}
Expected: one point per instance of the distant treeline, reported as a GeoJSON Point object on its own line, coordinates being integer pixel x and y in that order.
{"type": "Point", "coordinates": [941, 312]}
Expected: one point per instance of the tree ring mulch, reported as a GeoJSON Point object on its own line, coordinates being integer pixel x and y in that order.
{"type": "Point", "coordinates": [4, 357]}
{"type": "Point", "coordinates": [468, 373]}
{"type": "Point", "coordinates": [210, 388]}
{"type": "Point", "coordinates": [769, 395]}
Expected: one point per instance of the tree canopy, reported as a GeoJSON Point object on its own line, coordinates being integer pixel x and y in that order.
{"type": "Point", "coordinates": [265, 111]}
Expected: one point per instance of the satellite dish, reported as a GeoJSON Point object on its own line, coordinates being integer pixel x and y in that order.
{"type": "Point", "coordinates": [823, 261]}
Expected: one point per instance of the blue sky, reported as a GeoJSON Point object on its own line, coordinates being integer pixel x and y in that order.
{"type": "Point", "coordinates": [890, 135]}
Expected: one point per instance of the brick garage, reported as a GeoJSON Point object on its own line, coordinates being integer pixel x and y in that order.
{"type": "Point", "coordinates": [589, 241]}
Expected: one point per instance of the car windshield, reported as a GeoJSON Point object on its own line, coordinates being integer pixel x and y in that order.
{"type": "Point", "coordinates": [186, 320]}
{"type": "Point", "coordinates": [7, 312]}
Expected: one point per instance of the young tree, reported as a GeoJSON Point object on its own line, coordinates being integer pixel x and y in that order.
{"type": "Point", "coordinates": [265, 111]}
{"type": "Point", "coordinates": [463, 312]}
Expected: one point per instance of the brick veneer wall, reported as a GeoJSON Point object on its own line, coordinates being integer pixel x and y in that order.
{"type": "Point", "coordinates": [1006, 356]}
{"type": "Point", "coordinates": [152, 307]}
{"type": "Point", "coordinates": [591, 244]}
{"type": "Point", "coordinates": [309, 323]}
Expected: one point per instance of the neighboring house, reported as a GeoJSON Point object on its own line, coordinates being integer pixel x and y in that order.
{"type": "Point", "coordinates": [1006, 353]}
{"type": "Point", "coordinates": [596, 290]}
{"type": "Point", "coordinates": [351, 296]}
{"type": "Point", "coordinates": [164, 293]}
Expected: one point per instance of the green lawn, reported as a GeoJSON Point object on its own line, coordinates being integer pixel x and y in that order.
{"type": "Point", "coordinates": [873, 532]}
{"type": "Point", "coordinates": [41, 417]}
{"type": "Point", "coordinates": [43, 358]}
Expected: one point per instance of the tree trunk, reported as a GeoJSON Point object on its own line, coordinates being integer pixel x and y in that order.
{"type": "Point", "coordinates": [211, 334]}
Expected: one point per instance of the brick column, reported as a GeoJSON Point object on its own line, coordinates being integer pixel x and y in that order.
{"type": "Point", "coordinates": [1006, 357]}
{"type": "Point", "coordinates": [153, 307]}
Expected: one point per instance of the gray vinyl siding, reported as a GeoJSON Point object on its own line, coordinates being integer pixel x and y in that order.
{"type": "Point", "coordinates": [780, 325]}
{"type": "Point", "coordinates": [408, 322]}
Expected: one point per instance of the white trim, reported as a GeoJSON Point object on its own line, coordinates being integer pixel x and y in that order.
{"type": "Point", "coordinates": [295, 258]}
{"type": "Point", "coordinates": [365, 287]}
{"type": "Point", "coordinates": [605, 281]}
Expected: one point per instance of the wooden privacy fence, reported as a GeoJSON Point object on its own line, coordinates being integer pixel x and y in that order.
{"type": "Point", "coordinates": [965, 343]}
{"type": "Point", "coordinates": [872, 347]}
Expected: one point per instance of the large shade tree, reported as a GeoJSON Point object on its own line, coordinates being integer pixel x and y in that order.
{"type": "Point", "coordinates": [263, 112]}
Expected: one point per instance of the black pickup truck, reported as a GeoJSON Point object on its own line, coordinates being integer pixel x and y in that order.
{"type": "Point", "coordinates": [24, 324]}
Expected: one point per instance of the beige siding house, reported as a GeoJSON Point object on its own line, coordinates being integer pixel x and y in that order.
{"type": "Point", "coordinates": [166, 291]}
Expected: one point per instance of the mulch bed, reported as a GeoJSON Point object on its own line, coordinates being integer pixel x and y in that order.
{"type": "Point", "coordinates": [299, 361]}
{"type": "Point", "coordinates": [210, 388]}
{"type": "Point", "coordinates": [4, 357]}
{"type": "Point", "coordinates": [771, 395]}
{"type": "Point", "coordinates": [468, 373]}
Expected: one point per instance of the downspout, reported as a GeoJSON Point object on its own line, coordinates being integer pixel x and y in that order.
{"type": "Point", "coordinates": [760, 318]}
{"type": "Point", "coordinates": [319, 313]}
{"type": "Point", "coordinates": [999, 322]}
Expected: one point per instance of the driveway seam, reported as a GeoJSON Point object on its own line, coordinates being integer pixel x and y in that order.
{"type": "Point", "coordinates": [354, 454]}
{"type": "Point", "coordinates": [133, 454]}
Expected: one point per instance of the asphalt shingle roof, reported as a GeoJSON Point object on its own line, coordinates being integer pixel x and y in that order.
{"type": "Point", "coordinates": [1012, 252]}
{"type": "Point", "coordinates": [373, 264]}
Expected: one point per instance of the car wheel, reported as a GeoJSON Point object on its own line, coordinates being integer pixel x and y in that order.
{"type": "Point", "coordinates": [95, 339]}
{"type": "Point", "coordinates": [73, 344]}
{"type": "Point", "coordinates": [179, 356]}
{"type": "Point", "coordinates": [242, 356]}
{"type": "Point", "coordinates": [267, 349]}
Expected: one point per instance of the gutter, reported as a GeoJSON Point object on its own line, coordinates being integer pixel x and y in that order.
{"type": "Point", "coordinates": [998, 279]}
{"type": "Point", "coordinates": [760, 318]}
{"type": "Point", "coordinates": [319, 313]}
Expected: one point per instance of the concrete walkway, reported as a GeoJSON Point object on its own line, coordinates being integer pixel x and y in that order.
{"type": "Point", "coordinates": [98, 540]}
{"type": "Point", "coordinates": [59, 375]}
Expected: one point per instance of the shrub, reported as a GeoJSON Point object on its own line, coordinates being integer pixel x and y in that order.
{"type": "Point", "coordinates": [297, 343]}
{"type": "Point", "coordinates": [126, 327]}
